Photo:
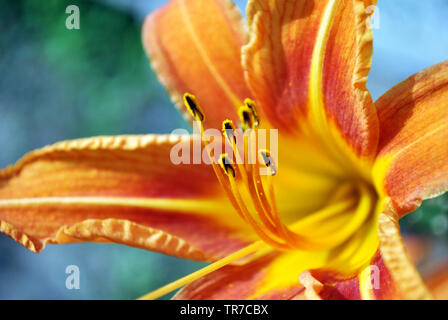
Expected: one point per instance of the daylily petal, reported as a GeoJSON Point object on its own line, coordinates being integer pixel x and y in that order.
{"type": "Point", "coordinates": [123, 189]}
{"type": "Point", "coordinates": [312, 58]}
{"type": "Point", "coordinates": [195, 46]}
{"type": "Point", "coordinates": [412, 161]}
{"type": "Point", "coordinates": [389, 275]}
{"type": "Point", "coordinates": [277, 58]}
{"type": "Point", "coordinates": [273, 276]}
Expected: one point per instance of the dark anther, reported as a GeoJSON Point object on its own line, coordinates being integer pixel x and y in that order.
{"type": "Point", "coordinates": [193, 107]}
{"type": "Point", "coordinates": [247, 119]}
{"type": "Point", "coordinates": [229, 130]}
{"type": "Point", "coordinates": [227, 166]}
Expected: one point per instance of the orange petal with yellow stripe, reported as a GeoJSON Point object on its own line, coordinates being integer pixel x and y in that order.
{"type": "Point", "coordinates": [412, 160]}
{"type": "Point", "coordinates": [122, 189]}
{"type": "Point", "coordinates": [311, 59]}
{"type": "Point", "coordinates": [195, 46]}
{"type": "Point", "coordinates": [390, 274]}
{"type": "Point", "coordinates": [254, 280]}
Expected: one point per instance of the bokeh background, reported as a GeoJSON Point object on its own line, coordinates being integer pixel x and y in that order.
{"type": "Point", "coordinates": [58, 84]}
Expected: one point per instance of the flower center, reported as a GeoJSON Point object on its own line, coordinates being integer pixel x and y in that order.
{"type": "Point", "coordinates": [249, 186]}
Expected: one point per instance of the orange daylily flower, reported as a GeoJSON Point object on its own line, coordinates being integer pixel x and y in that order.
{"type": "Point", "coordinates": [324, 227]}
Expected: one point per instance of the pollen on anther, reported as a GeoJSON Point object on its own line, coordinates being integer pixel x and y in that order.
{"type": "Point", "coordinates": [226, 166]}
{"type": "Point", "coordinates": [253, 107]}
{"type": "Point", "coordinates": [193, 106]}
{"type": "Point", "coordinates": [246, 117]}
{"type": "Point", "coordinates": [228, 130]}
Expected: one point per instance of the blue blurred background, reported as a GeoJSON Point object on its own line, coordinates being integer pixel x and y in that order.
{"type": "Point", "coordinates": [58, 84]}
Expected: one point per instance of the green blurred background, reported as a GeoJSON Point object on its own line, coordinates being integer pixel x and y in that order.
{"type": "Point", "coordinates": [58, 84]}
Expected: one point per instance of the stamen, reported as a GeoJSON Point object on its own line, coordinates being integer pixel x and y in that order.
{"type": "Point", "coordinates": [253, 197]}
{"type": "Point", "coordinates": [275, 216]}
{"type": "Point", "coordinates": [228, 129]}
{"type": "Point", "coordinates": [269, 205]}
{"type": "Point", "coordinates": [261, 210]}
{"type": "Point", "coordinates": [229, 132]}
{"type": "Point", "coordinates": [247, 117]}
{"type": "Point", "coordinates": [253, 107]}
{"type": "Point", "coordinates": [260, 202]}
{"type": "Point", "coordinates": [226, 165]}
{"type": "Point", "coordinates": [193, 106]}
{"type": "Point", "coordinates": [267, 230]}
{"type": "Point", "coordinates": [229, 170]}
{"type": "Point", "coordinates": [266, 234]}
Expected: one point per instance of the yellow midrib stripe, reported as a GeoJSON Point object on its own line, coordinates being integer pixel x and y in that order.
{"type": "Point", "coordinates": [183, 205]}
{"type": "Point", "coordinates": [332, 138]}
{"type": "Point", "coordinates": [315, 87]}
{"type": "Point", "coordinates": [207, 61]}
{"type": "Point", "coordinates": [316, 101]}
